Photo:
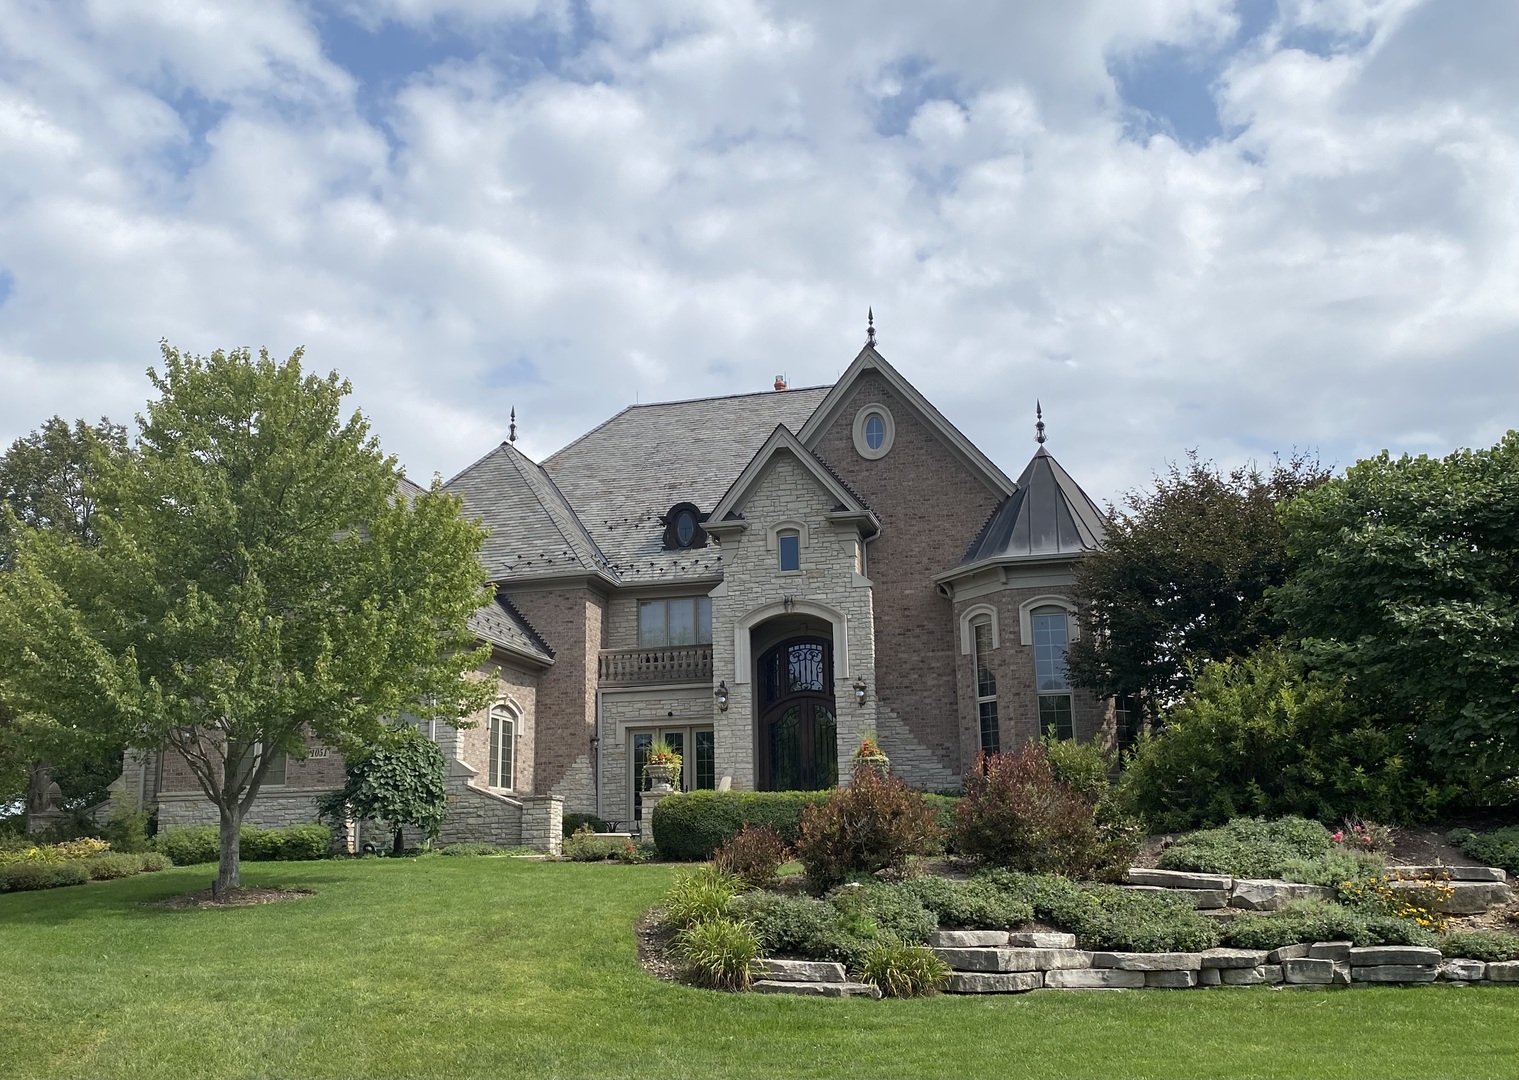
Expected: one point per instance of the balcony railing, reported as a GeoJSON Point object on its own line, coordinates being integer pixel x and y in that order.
{"type": "Point", "coordinates": [639, 667]}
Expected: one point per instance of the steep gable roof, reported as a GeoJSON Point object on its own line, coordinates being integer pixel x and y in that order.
{"type": "Point", "coordinates": [870, 360]}
{"type": "Point", "coordinates": [625, 475]}
{"type": "Point", "coordinates": [781, 441]}
{"type": "Point", "coordinates": [534, 532]}
{"type": "Point", "coordinates": [1048, 516]}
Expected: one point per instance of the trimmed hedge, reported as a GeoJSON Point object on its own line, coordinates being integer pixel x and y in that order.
{"type": "Point", "coordinates": [27, 876]}
{"type": "Point", "coordinates": [691, 826]}
{"type": "Point", "coordinates": [187, 846]}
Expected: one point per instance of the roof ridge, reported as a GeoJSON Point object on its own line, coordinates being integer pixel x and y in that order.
{"type": "Point", "coordinates": [537, 476]}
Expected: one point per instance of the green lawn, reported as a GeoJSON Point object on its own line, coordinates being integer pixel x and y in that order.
{"type": "Point", "coordinates": [502, 967]}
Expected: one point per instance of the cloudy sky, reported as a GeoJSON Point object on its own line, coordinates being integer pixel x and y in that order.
{"type": "Point", "coordinates": [1239, 225]}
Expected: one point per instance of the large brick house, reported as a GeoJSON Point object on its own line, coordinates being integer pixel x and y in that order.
{"type": "Point", "coordinates": [759, 579]}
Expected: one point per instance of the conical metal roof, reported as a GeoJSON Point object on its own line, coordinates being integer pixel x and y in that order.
{"type": "Point", "coordinates": [1049, 515]}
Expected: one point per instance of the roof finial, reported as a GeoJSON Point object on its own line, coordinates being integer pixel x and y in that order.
{"type": "Point", "coordinates": [1038, 422]}
{"type": "Point", "coordinates": [512, 432]}
{"type": "Point", "coordinates": [870, 326]}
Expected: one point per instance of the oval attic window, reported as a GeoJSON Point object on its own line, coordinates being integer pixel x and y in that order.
{"type": "Point", "coordinates": [685, 528]}
{"type": "Point", "coordinates": [874, 431]}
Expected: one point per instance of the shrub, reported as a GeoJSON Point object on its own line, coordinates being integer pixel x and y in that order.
{"type": "Point", "coordinates": [127, 829]}
{"type": "Point", "coordinates": [586, 846]}
{"type": "Point", "coordinates": [113, 865]}
{"type": "Point", "coordinates": [189, 845]}
{"type": "Point", "coordinates": [26, 876]}
{"type": "Point", "coordinates": [154, 861]}
{"type": "Point", "coordinates": [691, 826]}
{"type": "Point", "coordinates": [719, 953]}
{"type": "Point", "coordinates": [1257, 736]}
{"type": "Point", "coordinates": [803, 925]}
{"type": "Point", "coordinates": [573, 823]}
{"type": "Point", "coordinates": [875, 911]}
{"type": "Point", "coordinates": [900, 970]}
{"type": "Point", "coordinates": [969, 905]}
{"type": "Point", "coordinates": [1082, 766]}
{"type": "Point", "coordinates": [1481, 945]}
{"type": "Point", "coordinates": [28, 852]}
{"type": "Point", "coordinates": [944, 819]}
{"type": "Point", "coordinates": [1497, 848]}
{"type": "Point", "coordinates": [700, 895]}
{"type": "Point", "coordinates": [753, 855]}
{"type": "Point", "coordinates": [468, 849]}
{"type": "Point", "coordinates": [874, 824]}
{"type": "Point", "coordinates": [1250, 848]}
{"type": "Point", "coordinates": [1105, 917]}
{"type": "Point", "coordinates": [1015, 814]}
{"type": "Point", "coordinates": [1310, 921]}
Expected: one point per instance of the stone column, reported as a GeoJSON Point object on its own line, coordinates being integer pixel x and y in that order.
{"type": "Point", "coordinates": [543, 823]}
{"type": "Point", "coordinates": [651, 799]}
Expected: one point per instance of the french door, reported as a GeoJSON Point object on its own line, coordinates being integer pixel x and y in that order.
{"type": "Point", "coordinates": [698, 764]}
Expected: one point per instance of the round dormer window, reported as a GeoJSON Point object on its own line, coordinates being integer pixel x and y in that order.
{"type": "Point", "coordinates": [874, 431]}
{"type": "Point", "coordinates": [683, 527]}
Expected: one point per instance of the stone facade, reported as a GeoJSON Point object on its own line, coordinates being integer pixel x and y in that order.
{"type": "Point", "coordinates": [626, 708]}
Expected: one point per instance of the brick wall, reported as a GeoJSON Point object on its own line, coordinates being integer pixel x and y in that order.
{"type": "Point", "coordinates": [1017, 695]}
{"type": "Point", "coordinates": [571, 620]}
{"type": "Point", "coordinates": [471, 745]}
{"type": "Point", "coordinates": [931, 508]}
{"type": "Point", "coordinates": [312, 774]}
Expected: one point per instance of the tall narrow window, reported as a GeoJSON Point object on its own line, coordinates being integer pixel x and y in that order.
{"type": "Point", "coordinates": [790, 544]}
{"type": "Point", "coordinates": [1127, 719]}
{"type": "Point", "coordinates": [1050, 679]}
{"type": "Point", "coordinates": [986, 688]}
{"type": "Point", "coordinates": [503, 748]}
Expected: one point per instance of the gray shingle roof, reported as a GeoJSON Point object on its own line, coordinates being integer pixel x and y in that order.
{"type": "Point", "coordinates": [501, 624]}
{"type": "Point", "coordinates": [622, 477]}
{"type": "Point", "coordinates": [1048, 515]}
{"type": "Point", "coordinates": [533, 531]}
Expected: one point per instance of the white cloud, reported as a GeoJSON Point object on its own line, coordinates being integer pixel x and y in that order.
{"type": "Point", "coordinates": [697, 196]}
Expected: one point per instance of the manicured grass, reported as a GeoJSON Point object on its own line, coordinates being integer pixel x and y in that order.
{"type": "Point", "coordinates": [503, 967]}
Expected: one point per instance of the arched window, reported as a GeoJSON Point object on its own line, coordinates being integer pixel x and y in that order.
{"type": "Point", "coordinates": [503, 747]}
{"type": "Point", "coordinates": [986, 685]}
{"type": "Point", "coordinates": [1050, 627]}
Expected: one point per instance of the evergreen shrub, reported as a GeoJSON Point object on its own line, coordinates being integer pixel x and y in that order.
{"type": "Point", "coordinates": [1308, 921]}
{"type": "Point", "coordinates": [691, 826]}
{"type": "Point", "coordinates": [1497, 848]}
{"type": "Point", "coordinates": [1290, 848]}
{"type": "Point", "coordinates": [968, 905]}
{"type": "Point", "coordinates": [1107, 917]}
{"type": "Point", "coordinates": [190, 845]}
{"type": "Point", "coordinates": [27, 876]}
{"type": "Point", "coordinates": [113, 865]}
{"type": "Point", "coordinates": [1482, 945]}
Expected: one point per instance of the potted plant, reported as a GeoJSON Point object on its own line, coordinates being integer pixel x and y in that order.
{"type": "Point", "coordinates": [661, 766]}
{"type": "Point", "coordinates": [869, 754]}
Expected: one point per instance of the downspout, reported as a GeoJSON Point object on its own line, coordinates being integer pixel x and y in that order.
{"type": "Point", "coordinates": [596, 754]}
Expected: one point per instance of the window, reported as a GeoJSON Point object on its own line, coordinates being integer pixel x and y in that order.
{"type": "Point", "coordinates": [685, 620]}
{"type": "Point", "coordinates": [428, 729]}
{"type": "Point", "coordinates": [1127, 719]}
{"type": "Point", "coordinates": [790, 544]}
{"type": "Point", "coordinates": [986, 687]}
{"type": "Point", "coordinates": [1051, 637]}
{"type": "Point", "coordinates": [683, 527]}
{"type": "Point", "coordinates": [875, 431]}
{"type": "Point", "coordinates": [275, 775]}
{"type": "Point", "coordinates": [698, 766]}
{"type": "Point", "coordinates": [503, 748]}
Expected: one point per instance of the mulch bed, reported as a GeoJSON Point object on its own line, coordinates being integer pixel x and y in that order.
{"type": "Point", "coordinates": [233, 898]}
{"type": "Point", "coordinates": [654, 937]}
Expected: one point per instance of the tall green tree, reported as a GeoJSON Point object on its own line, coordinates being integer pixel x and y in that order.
{"type": "Point", "coordinates": [257, 579]}
{"type": "Point", "coordinates": [1183, 577]}
{"type": "Point", "coordinates": [45, 481]}
{"type": "Point", "coordinates": [1405, 582]}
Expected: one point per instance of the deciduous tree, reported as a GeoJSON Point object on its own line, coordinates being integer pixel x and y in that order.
{"type": "Point", "coordinates": [258, 579]}
{"type": "Point", "coordinates": [1405, 581]}
{"type": "Point", "coordinates": [399, 782]}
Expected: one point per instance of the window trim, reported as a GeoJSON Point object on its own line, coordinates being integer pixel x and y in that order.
{"type": "Point", "coordinates": [1026, 617]}
{"type": "Point", "coordinates": [889, 433]}
{"type": "Point", "coordinates": [510, 715]}
{"type": "Point", "coordinates": [968, 633]}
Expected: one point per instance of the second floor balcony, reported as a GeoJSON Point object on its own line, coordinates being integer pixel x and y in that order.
{"type": "Point", "coordinates": [659, 665]}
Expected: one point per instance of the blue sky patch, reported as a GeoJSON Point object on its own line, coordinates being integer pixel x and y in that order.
{"type": "Point", "coordinates": [7, 286]}
{"type": "Point", "coordinates": [918, 83]}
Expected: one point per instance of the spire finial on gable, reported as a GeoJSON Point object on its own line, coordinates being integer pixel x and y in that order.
{"type": "Point", "coordinates": [1038, 422]}
{"type": "Point", "coordinates": [870, 326]}
{"type": "Point", "coordinates": [512, 431]}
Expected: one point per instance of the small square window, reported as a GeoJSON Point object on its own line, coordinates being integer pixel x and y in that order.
{"type": "Point", "coordinates": [791, 551]}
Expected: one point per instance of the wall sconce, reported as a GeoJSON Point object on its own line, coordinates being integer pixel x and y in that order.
{"type": "Point", "coordinates": [721, 693]}
{"type": "Point", "coordinates": [859, 691]}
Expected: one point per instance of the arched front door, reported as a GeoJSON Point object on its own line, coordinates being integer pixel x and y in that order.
{"type": "Point", "coordinates": [798, 744]}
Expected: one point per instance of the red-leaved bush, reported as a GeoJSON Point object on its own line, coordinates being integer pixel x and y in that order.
{"type": "Point", "coordinates": [753, 855]}
{"type": "Point", "coordinates": [874, 824]}
{"type": "Point", "coordinates": [1016, 814]}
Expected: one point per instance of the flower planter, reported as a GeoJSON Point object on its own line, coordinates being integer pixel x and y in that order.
{"type": "Point", "coordinates": [660, 776]}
